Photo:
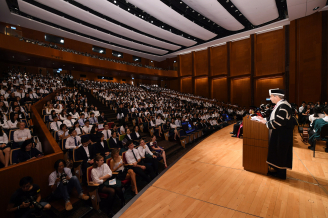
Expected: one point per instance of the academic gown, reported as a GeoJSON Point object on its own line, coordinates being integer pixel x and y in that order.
{"type": "Point", "coordinates": [280, 152]}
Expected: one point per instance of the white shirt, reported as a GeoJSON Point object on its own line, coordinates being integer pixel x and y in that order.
{"type": "Point", "coordinates": [70, 142]}
{"type": "Point", "coordinates": [54, 175]}
{"type": "Point", "coordinates": [22, 135]}
{"type": "Point", "coordinates": [325, 118]}
{"type": "Point", "coordinates": [105, 134]}
{"type": "Point", "coordinates": [130, 157]}
{"type": "Point", "coordinates": [54, 127]}
{"type": "Point", "coordinates": [4, 139]}
{"type": "Point", "coordinates": [86, 129]}
{"type": "Point", "coordinates": [101, 171]}
{"type": "Point", "coordinates": [69, 123]}
{"type": "Point", "coordinates": [12, 125]}
{"type": "Point", "coordinates": [312, 118]}
{"type": "Point", "coordinates": [142, 151]}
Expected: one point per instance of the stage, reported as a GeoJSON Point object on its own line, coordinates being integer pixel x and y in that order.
{"type": "Point", "coordinates": [209, 181]}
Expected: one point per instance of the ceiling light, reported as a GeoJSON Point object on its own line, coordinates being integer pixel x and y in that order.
{"type": "Point", "coordinates": [101, 51]}
{"type": "Point", "coordinates": [198, 14]}
{"type": "Point", "coordinates": [180, 2]}
{"type": "Point", "coordinates": [151, 61]}
{"type": "Point", "coordinates": [187, 7]}
{"type": "Point", "coordinates": [162, 26]}
{"type": "Point", "coordinates": [316, 8]}
{"type": "Point", "coordinates": [13, 28]}
{"type": "Point", "coordinates": [151, 21]}
{"type": "Point", "coordinates": [227, 1]}
{"type": "Point", "coordinates": [114, 1]}
{"type": "Point", "coordinates": [232, 6]}
{"type": "Point", "coordinates": [142, 16]}
{"type": "Point", "coordinates": [62, 41]}
{"type": "Point", "coordinates": [193, 11]}
{"type": "Point", "coordinates": [132, 78]}
{"type": "Point", "coordinates": [175, 61]}
{"type": "Point", "coordinates": [240, 14]}
{"type": "Point", "coordinates": [236, 10]}
{"type": "Point", "coordinates": [128, 9]}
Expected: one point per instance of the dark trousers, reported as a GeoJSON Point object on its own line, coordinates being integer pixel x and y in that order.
{"type": "Point", "coordinates": [153, 162]}
{"type": "Point", "coordinates": [236, 128]}
{"type": "Point", "coordinates": [144, 173]}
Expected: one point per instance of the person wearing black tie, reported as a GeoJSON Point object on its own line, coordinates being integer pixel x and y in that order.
{"type": "Point", "coordinates": [136, 164]}
{"type": "Point", "coordinates": [102, 147]}
{"type": "Point", "coordinates": [86, 153]}
{"type": "Point", "coordinates": [128, 136]}
{"type": "Point", "coordinates": [107, 132]}
{"type": "Point", "coordinates": [72, 142]}
{"type": "Point", "coordinates": [55, 125]}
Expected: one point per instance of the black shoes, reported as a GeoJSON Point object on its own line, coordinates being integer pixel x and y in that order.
{"type": "Point", "coordinates": [311, 148]}
{"type": "Point", "coordinates": [234, 135]}
{"type": "Point", "coordinates": [231, 133]}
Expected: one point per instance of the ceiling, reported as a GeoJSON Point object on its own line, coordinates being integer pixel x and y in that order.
{"type": "Point", "coordinates": [155, 29]}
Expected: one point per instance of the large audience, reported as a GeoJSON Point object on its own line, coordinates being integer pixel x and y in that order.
{"type": "Point", "coordinates": [105, 146]}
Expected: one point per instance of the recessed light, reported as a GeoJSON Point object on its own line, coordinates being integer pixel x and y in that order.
{"type": "Point", "coordinates": [316, 8]}
{"type": "Point", "coordinates": [232, 6]}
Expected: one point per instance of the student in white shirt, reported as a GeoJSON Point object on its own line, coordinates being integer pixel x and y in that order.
{"type": "Point", "coordinates": [148, 156]}
{"type": "Point", "coordinates": [61, 190]}
{"type": "Point", "coordinates": [69, 122]}
{"type": "Point", "coordinates": [77, 128]}
{"type": "Point", "coordinates": [63, 132]}
{"type": "Point", "coordinates": [133, 157]}
{"type": "Point", "coordinates": [12, 123]}
{"type": "Point", "coordinates": [100, 174]}
{"type": "Point", "coordinates": [4, 148]}
{"type": "Point", "coordinates": [75, 114]}
{"type": "Point", "coordinates": [22, 134]}
{"type": "Point", "coordinates": [87, 128]}
{"type": "Point", "coordinates": [72, 142]}
{"type": "Point", "coordinates": [107, 132]}
{"type": "Point", "coordinates": [55, 125]}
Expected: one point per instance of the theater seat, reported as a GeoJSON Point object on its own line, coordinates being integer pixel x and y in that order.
{"type": "Point", "coordinates": [93, 191]}
{"type": "Point", "coordinates": [14, 156]}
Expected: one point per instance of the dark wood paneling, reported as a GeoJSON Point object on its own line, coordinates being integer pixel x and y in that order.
{"type": "Point", "coordinates": [241, 92]}
{"type": "Point", "coordinates": [174, 85]}
{"type": "Point", "coordinates": [14, 45]}
{"type": "Point", "coordinates": [240, 57]}
{"type": "Point", "coordinates": [201, 87]}
{"type": "Point", "coordinates": [219, 59]}
{"type": "Point", "coordinates": [186, 85]}
{"type": "Point", "coordinates": [220, 89]}
{"type": "Point", "coordinates": [201, 63]}
{"type": "Point", "coordinates": [186, 65]}
{"type": "Point", "coordinates": [309, 31]}
{"type": "Point", "coordinates": [292, 60]}
{"type": "Point", "coordinates": [270, 53]}
{"type": "Point", "coordinates": [324, 56]}
{"type": "Point", "coordinates": [262, 87]}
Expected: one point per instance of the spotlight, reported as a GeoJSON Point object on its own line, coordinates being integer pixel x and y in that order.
{"type": "Point", "coordinates": [62, 41]}
{"type": "Point", "coordinates": [128, 9]}
{"type": "Point", "coordinates": [232, 6]}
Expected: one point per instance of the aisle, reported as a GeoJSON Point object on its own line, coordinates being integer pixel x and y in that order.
{"type": "Point", "coordinates": [209, 181]}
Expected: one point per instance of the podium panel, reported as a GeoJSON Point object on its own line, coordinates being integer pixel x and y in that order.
{"type": "Point", "coordinates": [255, 146]}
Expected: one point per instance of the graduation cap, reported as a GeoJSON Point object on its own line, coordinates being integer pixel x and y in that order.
{"type": "Point", "coordinates": [276, 92]}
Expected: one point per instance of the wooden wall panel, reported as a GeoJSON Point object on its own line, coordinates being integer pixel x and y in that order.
{"type": "Point", "coordinates": [309, 60]}
{"type": "Point", "coordinates": [186, 65]}
{"type": "Point", "coordinates": [94, 76]}
{"type": "Point", "coordinates": [241, 92]}
{"type": "Point", "coordinates": [292, 61]}
{"type": "Point", "coordinates": [201, 87]}
{"type": "Point", "coordinates": [174, 84]}
{"type": "Point", "coordinates": [220, 89]}
{"type": "Point", "coordinates": [262, 87]}
{"type": "Point", "coordinates": [270, 53]}
{"type": "Point", "coordinates": [240, 57]}
{"type": "Point", "coordinates": [186, 85]}
{"type": "Point", "coordinates": [201, 63]}
{"type": "Point", "coordinates": [219, 60]}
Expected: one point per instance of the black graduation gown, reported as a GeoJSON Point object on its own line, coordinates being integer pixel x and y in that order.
{"type": "Point", "coordinates": [280, 152]}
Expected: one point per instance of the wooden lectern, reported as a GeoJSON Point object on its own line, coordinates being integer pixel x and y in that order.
{"type": "Point", "coordinates": [255, 146]}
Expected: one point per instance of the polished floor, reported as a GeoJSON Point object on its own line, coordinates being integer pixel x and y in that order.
{"type": "Point", "coordinates": [209, 181]}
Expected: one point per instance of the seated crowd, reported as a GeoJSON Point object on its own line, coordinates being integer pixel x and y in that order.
{"type": "Point", "coordinates": [18, 92]}
{"type": "Point", "coordinates": [113, 153]}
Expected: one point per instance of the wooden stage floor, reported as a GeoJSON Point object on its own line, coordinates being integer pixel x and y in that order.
{"type": "Point", "coordinates": [209, 181]}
